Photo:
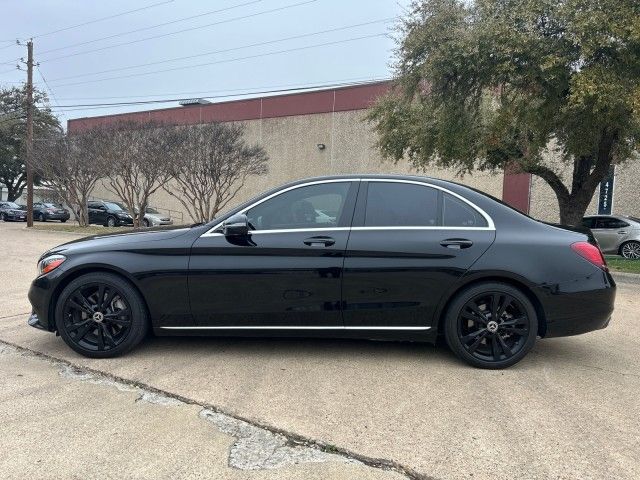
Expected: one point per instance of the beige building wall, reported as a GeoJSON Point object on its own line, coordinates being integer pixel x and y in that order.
{"type": "Point", "coordinates": [291, 143]}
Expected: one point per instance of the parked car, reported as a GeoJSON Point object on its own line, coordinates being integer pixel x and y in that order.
{"type": "Point", "coordinates": [50, 211]}
{"type": "Point", "coordinates": [618, 235]}
{"type": "Point", "coordinates": [11, 212]}
{"type": "Point", "coordinates": [109, 214]}
{"type": "Point", "coordinates": [405, 258]}
{"type": "Point", "coordinates": [153, 218]}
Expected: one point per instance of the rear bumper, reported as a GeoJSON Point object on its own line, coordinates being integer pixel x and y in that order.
{"type": "Point", "coordinates": [579, 307]}
{"type": "Point", "coordinates": [16, 217]}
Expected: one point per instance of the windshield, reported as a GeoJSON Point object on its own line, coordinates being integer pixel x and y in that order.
{"type": "Point", "coordinates": [151, 210]}
{"type": "Point", "coordinates": [12, 205]}
{"type": "Point", "coordinates": [113, 206]}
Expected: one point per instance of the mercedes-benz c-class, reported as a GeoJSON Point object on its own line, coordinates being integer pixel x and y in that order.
{"type": "Point", "coordinates": [379, 257]}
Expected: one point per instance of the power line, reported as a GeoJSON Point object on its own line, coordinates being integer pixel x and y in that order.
{"type": "Point", "coordinates": [212, 52]}
{"type": "Point", "coordinates": [103, 18]}
{"type": "Point", "coordinates": [83, 52]}
{"type": "Point", "coordinates": [209, 92]}
{"type": "Point", "coordinates": [53, 96]}
{"type": "Point", "coordinates": [152, 26]}
{"type": "Point", "coordinates": [95, 106]}
{"type": "Point", "coordinates": [230, 60]}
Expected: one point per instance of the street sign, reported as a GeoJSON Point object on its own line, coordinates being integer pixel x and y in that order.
{"type": "Point", "coordinates": [605, 197]}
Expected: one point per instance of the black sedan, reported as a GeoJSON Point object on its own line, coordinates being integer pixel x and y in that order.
{"type": "Point", "coordinates": [11, 212]}
{"type": "Point", "coordinates": [381, 257]}
{"type": "Point", "coordinates": [50, 211]}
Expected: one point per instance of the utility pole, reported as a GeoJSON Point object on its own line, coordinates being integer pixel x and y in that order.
{"type": "Point", "coordinates": [29, 149]}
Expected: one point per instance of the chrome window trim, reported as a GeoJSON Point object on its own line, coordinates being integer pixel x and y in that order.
{"type": "Point", "coordinates": [490, 225]}
{"type": "Point", "coordinates": [289, 327]}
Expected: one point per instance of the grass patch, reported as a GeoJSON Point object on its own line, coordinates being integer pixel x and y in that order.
{"type": "Point", "coordinates": [620, 264]}
{"type": "Point", "coordinates": [75, 228]}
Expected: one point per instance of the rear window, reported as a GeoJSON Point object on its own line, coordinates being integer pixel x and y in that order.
{"type": "Point", "coordinates": [457, 213]}
{"type": "Point", "coordinates": [401, 205]}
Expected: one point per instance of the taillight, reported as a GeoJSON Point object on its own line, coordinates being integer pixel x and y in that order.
{"type": "Point", "coordinates": [591, 253]}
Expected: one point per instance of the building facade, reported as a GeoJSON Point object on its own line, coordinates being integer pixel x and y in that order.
{"type": "Point", "coordinates": [325, 132]}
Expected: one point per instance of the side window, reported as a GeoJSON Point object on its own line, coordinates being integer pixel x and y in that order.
{"type": "Point", "coordinates": [589, 222]}
{"type": "Point", "coordinates": [92, 204]}
{"type": "Point", "coordinates": [401, 205]}
{"type": "Point", "coordinates": [456, 213]}
{"type": "Point", "coordinates": [312, 206]}
{"type": "Point", "coordinates": [610, 223]}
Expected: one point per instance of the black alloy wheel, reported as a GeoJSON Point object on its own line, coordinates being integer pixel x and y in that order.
{"type": "Point", "coordinates": [491, 325]}
{"type": "Point", "coordinates": [101, 315]}
{"type": "Point", "coordinates": [111, 222]}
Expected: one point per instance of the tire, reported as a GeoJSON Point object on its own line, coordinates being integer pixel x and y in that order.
{"type": "Point", "coordinates": [145, 222]}
{"type": "Point", "coordinates": [630, 250]}
{"type": "Point", "coordinates": [63, 221]}
{"type": "Point", "coordinates": [122, 323]}
{"type": "Point", "coordinates": [485, 339]}
{"type": "Point", "coordinates": [3, 217]}
{"type": "Point", "coordinates": [111, 222]}
{"type": "Point", "coordinates": [41, 217]}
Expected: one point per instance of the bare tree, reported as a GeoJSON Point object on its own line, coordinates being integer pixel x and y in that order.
{"type": "Point", "coordinates": [139, 158]}
{"type": "Point", "coordinates": [69, 165]}
{"type": "Point", "coordinates": [213, 163]}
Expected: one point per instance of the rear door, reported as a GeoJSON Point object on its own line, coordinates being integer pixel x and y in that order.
{"type": "Point", "coordinates": [610, 232]}
{"type": "Point", "coordinates": [409, 243]}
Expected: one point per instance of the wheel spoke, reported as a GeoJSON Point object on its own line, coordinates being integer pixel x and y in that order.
{"type": "Point", "coordinates": [108, 336]}
{"type": "Point", "coordinates": [100, 297]}
{"type": "Point", "coordinates": [515, 331]}
{"type": "Point", "coordinates": [472, 336]}
{"type": "Point", "coordinates": [512, 322]}
{"type": "Point", "coordinates": [75, 326]}
{"type": "Point", "coordinates": [82, 300]}
{"type": "Point", "coordinates": [503, 308]}
{"type": "Point", "coordinates": [495, 348]}
{"type": "Point", "coordinates": [111, 293]}
{"type": "Point", "coordinates": [495, 302]}
{"type": "Point", "coordinates": [474, 318]}
{"type": "Point", "coordinates": [474, 308]}
{"type": "Point", "coordinates": [84, 330]}
{"type": "Point", "coordinates": [474, 346]}
{"type": "Point", "coordinates": [100, 338]}
{"type": "Point", "coordinates": [76, 306]}
{"type": "Point", "coordinates": [503, 345]}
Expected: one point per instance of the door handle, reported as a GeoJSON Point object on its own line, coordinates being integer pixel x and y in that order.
{"type": "Point", "coordinates": [456, 243]}
{"type": "Point", "coordinates": [319, 241]}
{"type": "Point", "coordinates": [622, 233]}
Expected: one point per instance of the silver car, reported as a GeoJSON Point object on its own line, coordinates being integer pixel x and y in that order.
{"type": "Point", "coordinates": [153, 217]}
{"type": "Point", "coordinates": [616, 234]}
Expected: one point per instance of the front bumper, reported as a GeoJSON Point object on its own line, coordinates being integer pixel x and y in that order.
{"type": "Point", "coordinates": [40, 296]}
{"type": "Point", "coordinates": [34, 322]}
{"type": "Point", "coordinates": [57, 216]}
{"type": "Point", "coordinates": [16, 217]}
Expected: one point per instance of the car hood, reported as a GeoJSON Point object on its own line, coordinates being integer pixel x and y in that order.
{"type": "Point", "coordinates": [109, 241]}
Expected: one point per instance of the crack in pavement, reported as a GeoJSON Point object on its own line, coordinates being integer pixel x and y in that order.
{"type": "Point", "coordinates": [257, 446]}
{"type": "Point", "coordinates": [15, 315]}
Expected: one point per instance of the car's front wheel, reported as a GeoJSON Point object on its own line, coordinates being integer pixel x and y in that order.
{"type": "Point", "coordinates": [111, 222]}
{"type": "Point", "coordinates": [101, 315]}
{"type": "Point", "coordinates": [145, 222]}
{"type": "Point", "coordinates": [491, 325]}
{"type": "Point", "coordinates": [41, 217]}
{"type": "Point", "coordinates": [630, 250]}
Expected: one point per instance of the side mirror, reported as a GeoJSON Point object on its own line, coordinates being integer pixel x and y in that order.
{"type": "Point", "coordinates": [236, 225]}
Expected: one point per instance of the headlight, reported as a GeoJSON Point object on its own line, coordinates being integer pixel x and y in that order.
{"type": "Point", "coordinates": [50, 263]}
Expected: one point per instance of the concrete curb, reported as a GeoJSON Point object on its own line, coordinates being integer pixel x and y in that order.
{"type": "Point", "coordinates": [626, 278]}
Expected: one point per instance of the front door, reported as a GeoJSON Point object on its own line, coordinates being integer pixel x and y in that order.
{"type": "Point", "coordinates": [409, 243]}
{"type": "Point", "coordinates": [287, 272]}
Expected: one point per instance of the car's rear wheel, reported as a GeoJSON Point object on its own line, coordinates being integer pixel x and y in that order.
{"type": "Point", "coordinates": [41, 217]}
{"type": "Point", "coordinates": [491, 325]}
{"type": "Point", "coordinates": [101, 315]}
{"type": "Point", "coordinates": [630, 250]}
{"type": "Point", "coordinates": [3, 217]}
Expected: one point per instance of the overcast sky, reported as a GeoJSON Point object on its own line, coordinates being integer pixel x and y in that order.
{"type": "Point", "coordinates": [264, 21]}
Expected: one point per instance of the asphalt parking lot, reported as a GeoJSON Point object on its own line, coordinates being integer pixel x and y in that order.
{"type": "Point", "coordinates": [569, 410]}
